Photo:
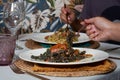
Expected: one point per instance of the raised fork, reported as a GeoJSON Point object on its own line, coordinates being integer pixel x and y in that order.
{"type": "Point", "coordinates": [19, 71]}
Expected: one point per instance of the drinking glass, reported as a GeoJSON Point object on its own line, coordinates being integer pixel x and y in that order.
{"type": "Point", "coordinates": [7, 48]}
{"type": "Point", "coordinates": [14, 14]}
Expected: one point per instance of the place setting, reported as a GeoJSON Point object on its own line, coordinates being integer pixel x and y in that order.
{"type": "Point", "coordinates": [93, 62]}
{"type": "Point", "coordinates": [63, 59]}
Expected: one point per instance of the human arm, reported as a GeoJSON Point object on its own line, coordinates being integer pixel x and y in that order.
{"type": "Point", "coordinates": [101, 29]}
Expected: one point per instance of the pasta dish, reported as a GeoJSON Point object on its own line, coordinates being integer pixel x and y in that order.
{"type": "Point", "coordinates": [60, 36]}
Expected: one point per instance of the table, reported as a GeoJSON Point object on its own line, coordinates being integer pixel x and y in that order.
{"type": "Point", "coordinates": [7, 74]}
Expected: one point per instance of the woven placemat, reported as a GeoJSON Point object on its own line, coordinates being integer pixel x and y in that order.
{"type": "Point", "coordinates": [97, 68]}
{"type": "Point", "coordinates": [35, 45]}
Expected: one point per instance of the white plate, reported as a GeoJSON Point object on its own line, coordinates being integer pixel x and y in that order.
{"type": "Point", "coordinates": [98, 55]}
{"type": "Point", "coordinates": [40, 37]}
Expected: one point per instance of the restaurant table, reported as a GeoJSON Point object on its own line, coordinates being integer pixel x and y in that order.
{"type": "Point", "coordinates": [7, 74]}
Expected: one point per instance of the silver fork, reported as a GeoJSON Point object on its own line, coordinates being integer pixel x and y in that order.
{"type": "Point", "coordinates": [111, 49]}
{"type": "Point", "coordinates": [19, 71]}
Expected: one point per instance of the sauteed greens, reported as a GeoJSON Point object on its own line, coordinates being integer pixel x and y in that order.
{"type": "Point", "coordinates": [61, 54]}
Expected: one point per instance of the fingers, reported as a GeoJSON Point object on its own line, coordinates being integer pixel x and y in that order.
{"type": "Point", "coordinates": [63, 14]}
{"type": "Point", "coordinates": [90, 29]}
{"type": "Point", "coordinates": [100, 37]}
{"type": "Point", "coordinates": [79, 8]}
{"type": "Point", "coordinates": [67, 15]}
{"type": "Point", "coordinates": [64, 18]}
{"type": "Point", "coordinates": [92, 20]}
{"type": "Point", "coordinates": [96, 34]}
{"type": "Point", "coordinates": [63, 10]}
{"type": "Point", "coordinates": [92, 32]}
{"type": "Point", "coordinates": [96, 28]}
{"type": "Point", "coordinates": [82, 23]}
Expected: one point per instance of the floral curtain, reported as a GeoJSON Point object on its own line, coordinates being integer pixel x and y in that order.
{"type": "Point", "coordinates": [41, 15]}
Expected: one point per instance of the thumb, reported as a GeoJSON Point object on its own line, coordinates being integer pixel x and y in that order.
{"type": "Point", "coordinates": [89, 21]}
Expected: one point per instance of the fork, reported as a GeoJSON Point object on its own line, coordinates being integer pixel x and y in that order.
{"type": "Point", "coordinates": [19, 71]}
{"type": "Point", "coordinates": [67, 14]}
{"type": "Point", "coordinates": [111, 49]}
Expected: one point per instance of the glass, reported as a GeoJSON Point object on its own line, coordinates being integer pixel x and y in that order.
{"type": "Point", "coordinates": [7, 48]}
{"type": "Point", "coordinates": [14, 14]}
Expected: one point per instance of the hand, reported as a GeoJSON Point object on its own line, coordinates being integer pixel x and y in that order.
{"type": "Point", "coordinates": [71, 15]}
{"type": "Point", "coordinates": [98, 28]}
{"type": "Point", "coordinates": [79, 7]}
